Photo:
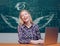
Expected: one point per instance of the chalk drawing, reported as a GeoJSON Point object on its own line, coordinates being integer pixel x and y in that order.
{"type": "Point", "coordinates": [20, 5]}
{"type": "Point", "coordinates": [5, 20]}
{"type": "Point", "coordinates": [36, 21]}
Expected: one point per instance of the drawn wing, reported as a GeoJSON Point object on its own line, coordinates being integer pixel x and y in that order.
{"type": "Point", "coordinates": [9, 24]}
{"type": "Point", "coordinates": [48, 18]}
{"type": "Point", "coordinates": [15, 18]}
{"type": "Point", "coordinates": [36, 21]}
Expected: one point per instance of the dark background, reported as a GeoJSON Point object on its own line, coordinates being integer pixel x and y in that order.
{"type": "Point", "coordinates": [37, 8]}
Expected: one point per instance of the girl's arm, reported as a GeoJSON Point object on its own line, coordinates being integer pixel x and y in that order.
{"type": "Point", "coordinates": [21, 37]}
{"type": "Point", "coordinates": [38, 35]}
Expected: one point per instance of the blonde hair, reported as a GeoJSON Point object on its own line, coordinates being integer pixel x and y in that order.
{"type": "Point", "coordinates": [20, 19]}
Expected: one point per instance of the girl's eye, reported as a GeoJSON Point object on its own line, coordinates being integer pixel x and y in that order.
{"type": "Point", "coordinates": [25, 14]}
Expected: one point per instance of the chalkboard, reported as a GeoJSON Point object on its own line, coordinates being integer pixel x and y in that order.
{"type": "Point", "coordinates": [45, 13]}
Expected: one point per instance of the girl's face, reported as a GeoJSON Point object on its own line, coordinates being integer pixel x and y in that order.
{"type": "Point", "coordinates": [25, 16]}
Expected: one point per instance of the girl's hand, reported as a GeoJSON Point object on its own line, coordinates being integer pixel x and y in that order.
{"type": "Point", "coordinates": [40, 41]}
{"type": "Point", "coordinates": [34, 42]}
{"type": "Point", "coordinates": [37, 41]}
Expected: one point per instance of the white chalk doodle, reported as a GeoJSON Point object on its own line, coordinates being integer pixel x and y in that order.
{"type": "Point", "coordinates": [5, 20]}
{"type": "Point", "coordinates": [50, 18]}
{"type": "Point", "coordinates": [20, 5]}
{"type": "Point", "coordinates": [36, 21]}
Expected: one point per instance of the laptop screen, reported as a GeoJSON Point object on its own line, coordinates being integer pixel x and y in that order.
{"type": "Point", "coordinates": [51, 35]}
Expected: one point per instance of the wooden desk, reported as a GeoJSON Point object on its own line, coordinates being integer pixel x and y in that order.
{"type": "Point", "coordinates": [14, 44]}
{"type": "Point", "coordinates": [55, 44]}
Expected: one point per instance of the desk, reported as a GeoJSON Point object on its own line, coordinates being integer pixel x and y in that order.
{"type": "Point", "coordinates": [14, 44]}
{"type": "Point", "coordinates": [55, 44]}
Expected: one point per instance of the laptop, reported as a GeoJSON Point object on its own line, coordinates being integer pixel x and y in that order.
{"type": "Point", "coordinates": [51, 35]}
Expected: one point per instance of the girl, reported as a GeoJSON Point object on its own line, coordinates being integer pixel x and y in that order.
{"type": "Point", "coordinates": [28, 32]}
